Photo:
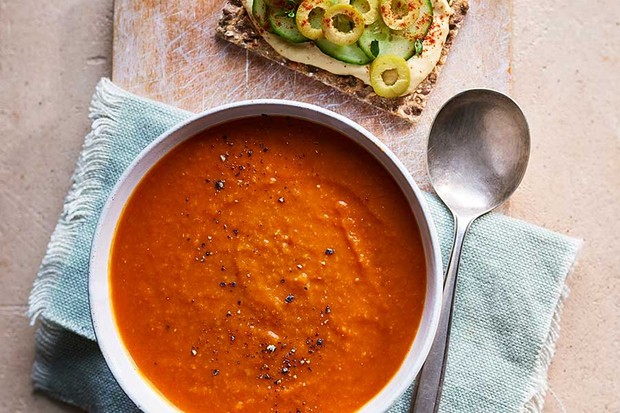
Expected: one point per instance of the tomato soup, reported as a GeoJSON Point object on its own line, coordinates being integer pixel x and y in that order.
{"type": "Point", "coordinates": [268, 265]}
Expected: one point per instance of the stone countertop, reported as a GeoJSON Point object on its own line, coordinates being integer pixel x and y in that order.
{"type": "Point", "coordinates": [565, 64]}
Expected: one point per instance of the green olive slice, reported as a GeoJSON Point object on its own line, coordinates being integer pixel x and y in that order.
{"type": "Point", "coordinates": [368, 8]}
{"type": "Point", "coordinates": [389, 76]}
{"type": "Point", "coordinates": [304, 20]}
{"type": "Point", "coordinates": [343, 24]}
{"type": "Point", "coordinates": [400, 14]}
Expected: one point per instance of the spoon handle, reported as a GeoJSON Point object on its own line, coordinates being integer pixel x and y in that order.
{"type": "Point", "coordinates": [429, 383]}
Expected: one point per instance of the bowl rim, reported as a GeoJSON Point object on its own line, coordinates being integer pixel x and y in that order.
{"type": "Point", "coordinates": [137, 387]}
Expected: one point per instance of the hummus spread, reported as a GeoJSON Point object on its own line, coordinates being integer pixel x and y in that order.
{"type": "Point", "coordinates": [420, 66]}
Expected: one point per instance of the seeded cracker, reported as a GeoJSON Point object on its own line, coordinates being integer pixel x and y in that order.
{"type": "Point", "coordinates": [236, 27]}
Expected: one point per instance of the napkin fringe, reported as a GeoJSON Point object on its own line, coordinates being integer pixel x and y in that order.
{"type": "Point", "coordinates": [105, 109]}
{"type": "Point", "coordinates": [540, 384]}
{"type": "Point", "coordinates": [45, 338]}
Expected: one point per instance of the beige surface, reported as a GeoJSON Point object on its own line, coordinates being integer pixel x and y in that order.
{"type": "Point", "coordinates": [565, 64]}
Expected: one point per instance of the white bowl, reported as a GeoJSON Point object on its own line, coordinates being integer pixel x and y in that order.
{"type": "Point", "coordinates": [145, 396]}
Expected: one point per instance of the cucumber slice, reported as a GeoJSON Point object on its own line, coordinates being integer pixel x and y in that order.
{"type": "Point", "coordinates": [420, 28]}
{"type": "Point", "coordinates": [259, 11]}
{"type": "Point", "coordinates": [284, 26]}
{"type": "Point", "coordinates": [388, 42]}
{"type": "Point", "coordinates": [348, 54]}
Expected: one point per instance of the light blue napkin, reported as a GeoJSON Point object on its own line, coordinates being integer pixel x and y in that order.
{"type": "Point", "coordinates": [509, 295]}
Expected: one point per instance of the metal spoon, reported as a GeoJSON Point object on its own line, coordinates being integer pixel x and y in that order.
{"type": "Point", "coordinates": [478, 150]}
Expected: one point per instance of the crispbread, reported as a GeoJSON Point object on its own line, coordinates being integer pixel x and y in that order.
{"type": "Point", "coordinates": [235, 26]}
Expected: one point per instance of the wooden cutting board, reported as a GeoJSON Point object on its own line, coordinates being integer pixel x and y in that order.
{"type": "Point", "coordinates": [167, 50]}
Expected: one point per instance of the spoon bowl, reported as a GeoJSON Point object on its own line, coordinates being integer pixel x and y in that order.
{"type": "Point", "coordinates": [478, 150]}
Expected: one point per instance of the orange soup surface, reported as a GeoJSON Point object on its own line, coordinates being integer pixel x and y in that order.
{"type": "Point", "coordinates": [268, 265]}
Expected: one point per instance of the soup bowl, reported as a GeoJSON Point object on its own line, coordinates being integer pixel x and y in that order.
{"type": "Point", "coordinates": [118, 358]}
